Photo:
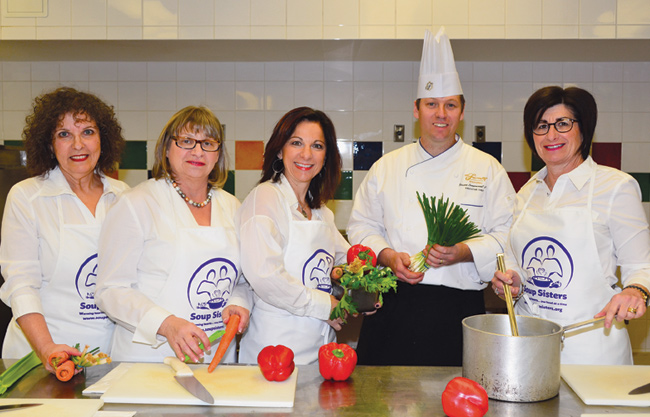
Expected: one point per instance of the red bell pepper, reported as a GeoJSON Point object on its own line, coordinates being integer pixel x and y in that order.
{"type": "Point", "coordinates": [464, 398]}
{"type": "Point", "coordinates": [364, 253]}
{"type": "Point", "coordinates": [336, 361]}
{"type": "Point", "coordinates": [276, 362]}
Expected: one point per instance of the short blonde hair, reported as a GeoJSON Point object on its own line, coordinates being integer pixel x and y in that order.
{"type": "Point", "coordinates": [193, 119]}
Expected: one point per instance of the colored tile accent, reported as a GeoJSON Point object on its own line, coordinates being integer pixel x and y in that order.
{"type": "Point", "coordinates": [536, 163]}
{"type": "Point", "coordinates": [518, 179]}
{"type": "Point", "coordinates": [135, 155]}
{"type": "Point", "coordinates": [608, 154]}
{"type": "Point", "coordinates": [365, 154]}
{"type": "Point", "coordinates": [230, 183]}
{"type": "Point", "coordinates": [249, 154]}
{"type": "Point", "coordinates": [344, 191]}
{"type": "Point", "coordinates": [643, 178]}
{"type": "Point", "coordinates": [16, 143]}
{"type": "Point", "coordinates": [492, 148]}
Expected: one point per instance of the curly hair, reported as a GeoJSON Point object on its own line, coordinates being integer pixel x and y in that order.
{"type": "Point", "coordinates": [49, 110]}
{"type": "Point", "coordinates": [192, 119]}
{"type": "Point", "coordinates": [323, 186]}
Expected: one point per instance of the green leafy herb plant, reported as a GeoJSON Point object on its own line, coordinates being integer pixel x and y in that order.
{"type": "Point", "coordinates": [447, 225]}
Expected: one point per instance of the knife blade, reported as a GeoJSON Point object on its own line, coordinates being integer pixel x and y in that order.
{"type": "Point", "coordinates": [9, 407]}
{"type": "Point", "coordinates": [643, 389]}
{"type": "Point", "coordinates": [186, 378]}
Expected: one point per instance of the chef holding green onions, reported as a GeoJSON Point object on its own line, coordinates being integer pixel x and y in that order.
{"type": "Point", "coordinates": [426, 312]}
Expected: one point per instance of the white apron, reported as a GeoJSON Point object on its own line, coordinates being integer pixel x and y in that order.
{"type": "Point", "coordinates": [310, 255]}
{"type": "Point", "coordinates": [564, 281]}
{"type": "Point", "coordinates": [68, 299]}
{"type": "Point", "coordinates": [197, 288]}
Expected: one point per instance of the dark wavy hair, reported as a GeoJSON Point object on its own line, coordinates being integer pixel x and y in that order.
{"type": "Point", "coordinates": [324, 184]}
{"type": "Point", "coordinates": [581, 103]}
{"type": "Point", "coordinates": [50, 108]}
{"type": "Point", "coordinates": [192, 119]}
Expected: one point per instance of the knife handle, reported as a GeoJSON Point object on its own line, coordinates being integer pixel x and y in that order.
{"type": "Point", "coordinates": [178, 366]}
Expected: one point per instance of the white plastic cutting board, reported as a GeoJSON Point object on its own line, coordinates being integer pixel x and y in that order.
{"type": "Point", "coordinates": [230, 385]}
{"type": "Point", "coordinates": [608, 384]}
{"type": "Point", "coordinates": [53, 407]}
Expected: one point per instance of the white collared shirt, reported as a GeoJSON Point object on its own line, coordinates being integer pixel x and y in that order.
{"type": "Point", "coordinates": [31, 230]}
{"type": "Point", "coordinates": [263, 225]}
{"type": "Point", "coordinates": [386, 212]}
{"type": "Point", "coordinates": [620, 225]}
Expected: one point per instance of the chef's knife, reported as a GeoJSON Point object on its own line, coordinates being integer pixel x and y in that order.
{"type": "Point", "coordinates": [186, 378]}
{"type": "Point", "coordinates": [9, 407]}
{"type": "Point", "coordinates": [643, 389]}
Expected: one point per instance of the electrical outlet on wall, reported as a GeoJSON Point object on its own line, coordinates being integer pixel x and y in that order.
{"type": "Point", "coordinates": [398, 133]}
{"type": "Point", "coordinates": [480, 133]}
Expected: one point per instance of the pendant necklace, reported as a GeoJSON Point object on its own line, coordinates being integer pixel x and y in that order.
{"type": "Point", "coordinates": [186, 198]}
{"type": "Point", "coordinates": [302, 210]}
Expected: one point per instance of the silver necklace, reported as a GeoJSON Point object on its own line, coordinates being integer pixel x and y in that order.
{"type": "Point", "coordinates": [186, 198]}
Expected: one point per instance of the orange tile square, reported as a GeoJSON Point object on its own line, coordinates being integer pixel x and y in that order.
{"type": "Point", "coordinates": [249, 154]}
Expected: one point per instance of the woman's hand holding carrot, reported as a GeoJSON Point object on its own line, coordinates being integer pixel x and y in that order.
{"type": "Point", "coordinates": [231, 331]}
{"type": "Point", "coordinates": [184, 337]}
{"type": "Point", "coordinates": [55, 351]}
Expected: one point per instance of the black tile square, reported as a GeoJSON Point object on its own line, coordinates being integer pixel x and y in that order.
{"type": "Point", "coordinates": [365, 154]}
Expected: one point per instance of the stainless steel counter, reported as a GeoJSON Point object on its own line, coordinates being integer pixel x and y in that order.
{"type": "Point", "coordinates": [373, 391]}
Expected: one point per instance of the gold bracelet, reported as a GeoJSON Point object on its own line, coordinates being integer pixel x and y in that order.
{"type": "Point", "coordinates": [644, 293]}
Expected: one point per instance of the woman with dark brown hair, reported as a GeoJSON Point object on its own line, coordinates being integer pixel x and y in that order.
{"type": "Point", "coordinates": [51, 226]}
{"type": "Point", "coordinates": [289, 241]}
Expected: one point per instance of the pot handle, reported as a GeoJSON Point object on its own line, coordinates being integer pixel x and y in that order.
{"type": "Point", "coordinates": [582, 323]}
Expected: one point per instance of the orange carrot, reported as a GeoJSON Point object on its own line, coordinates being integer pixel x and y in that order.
{"type": "Point", "coordinates": [231, 331]}
{"type": "Point", "coordinates": [57, 358]}
{"type": "Point", "coordinates": [65, 371]}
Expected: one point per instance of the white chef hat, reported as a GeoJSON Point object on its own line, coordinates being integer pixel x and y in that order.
{"type": "Point", "coordinates": [438, 75]}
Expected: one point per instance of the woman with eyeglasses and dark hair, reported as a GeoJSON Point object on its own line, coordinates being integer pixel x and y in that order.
{"type": "Point", "coordinates": [169, 259]}
{"type": "Point", "coordinates": [575, 222]}
{"type": "Point", "coordinates": [289, 241]}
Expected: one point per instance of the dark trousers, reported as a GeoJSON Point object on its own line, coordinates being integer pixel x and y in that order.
{"type": "Point", "coordinates": [418, 325]}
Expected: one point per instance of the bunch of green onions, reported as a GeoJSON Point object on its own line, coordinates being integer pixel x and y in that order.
{"type": "Point", "coordinates": [447, 225]}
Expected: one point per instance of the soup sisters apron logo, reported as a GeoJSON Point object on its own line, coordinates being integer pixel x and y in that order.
{"type": "Point", "coordinates": [549, 270]}
{"type": "Point", "coordinates": [209, 290]}
{"type": "Point", "coordinates": [85, 282]}
{"type": "Point", "coordinates": [316, 272]}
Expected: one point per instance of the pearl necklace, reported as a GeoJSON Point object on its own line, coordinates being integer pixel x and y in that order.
{"type": "Point", "coordinates": [186, 198]}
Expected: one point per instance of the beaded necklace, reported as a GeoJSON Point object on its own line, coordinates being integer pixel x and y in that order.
{"type": "Point", "coordinates": [186, 198]}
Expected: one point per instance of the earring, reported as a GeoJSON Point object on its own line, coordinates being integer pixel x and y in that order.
{"type": "Point", "coordinates": [275, 168]}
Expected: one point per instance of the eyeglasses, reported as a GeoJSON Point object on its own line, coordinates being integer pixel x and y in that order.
{"type": "Point", "coordinates": [208, 145]}
{"type": "Point", "coordinates": [563, 125]}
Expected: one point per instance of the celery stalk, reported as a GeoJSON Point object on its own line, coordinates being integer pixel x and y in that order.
{"type": "Point", "coordinates": [18, 370]}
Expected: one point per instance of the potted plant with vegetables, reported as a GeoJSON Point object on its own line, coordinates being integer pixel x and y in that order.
{"type": "Point", "coordinates": [447, 225]}
{"type": "Point", "coordinates": [360, 283]}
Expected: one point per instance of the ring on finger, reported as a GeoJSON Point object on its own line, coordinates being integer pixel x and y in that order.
{"type": "Point", "coordinates": [496, 291]}
{"type": "Point", "coordinates": [441, 261]}
{"type": "Point", "coordinates": [632, 310]}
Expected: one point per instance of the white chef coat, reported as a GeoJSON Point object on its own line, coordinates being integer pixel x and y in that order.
{"type": "Point", "coordinates": [620, 227]}
{"type": "Point", "coordinates": [386, 212]}
{"type": "Point", "coordinates": [265, 219]}
{"type": "Point", "coordinates": [137, 251]}
{"type": "Point", "coordinates": [36, 212]}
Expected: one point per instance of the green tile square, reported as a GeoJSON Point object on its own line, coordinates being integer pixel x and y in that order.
{"type": "Point", "coordinates": [229, 186]}
{"type": "Point", "coordinates": [135, 155]}
{"type": "Point", "coordinates": [344, 190]}
{"type": "Point", "coordinates": [643, 178]}
{"type": "Point", "coordinates": [16, 143]}
{"type": "Point", "coordinates": [536, 163]}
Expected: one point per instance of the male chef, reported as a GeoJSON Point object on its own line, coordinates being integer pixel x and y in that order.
{"type": "Point", "coordinates": [421, 323]}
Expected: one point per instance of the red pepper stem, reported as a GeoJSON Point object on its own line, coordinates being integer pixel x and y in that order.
{"type": "Point", "coordinates": [338, 353]}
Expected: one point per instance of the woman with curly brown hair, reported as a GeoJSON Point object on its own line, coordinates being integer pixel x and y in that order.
{"type": "Point", "coordinates": [51, 226]}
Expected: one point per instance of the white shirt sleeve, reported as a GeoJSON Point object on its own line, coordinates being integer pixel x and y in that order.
{"type": "Point", "coordinates": [365, 224]}
{"type": "Point", "coordinates": [121, 245]}
{"type": "Point", "coordinates": [264, 226]}
{"type": "Point", "coordinates": [19, 255]}
{"type": "Point", "coordinates": [630, 234]}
